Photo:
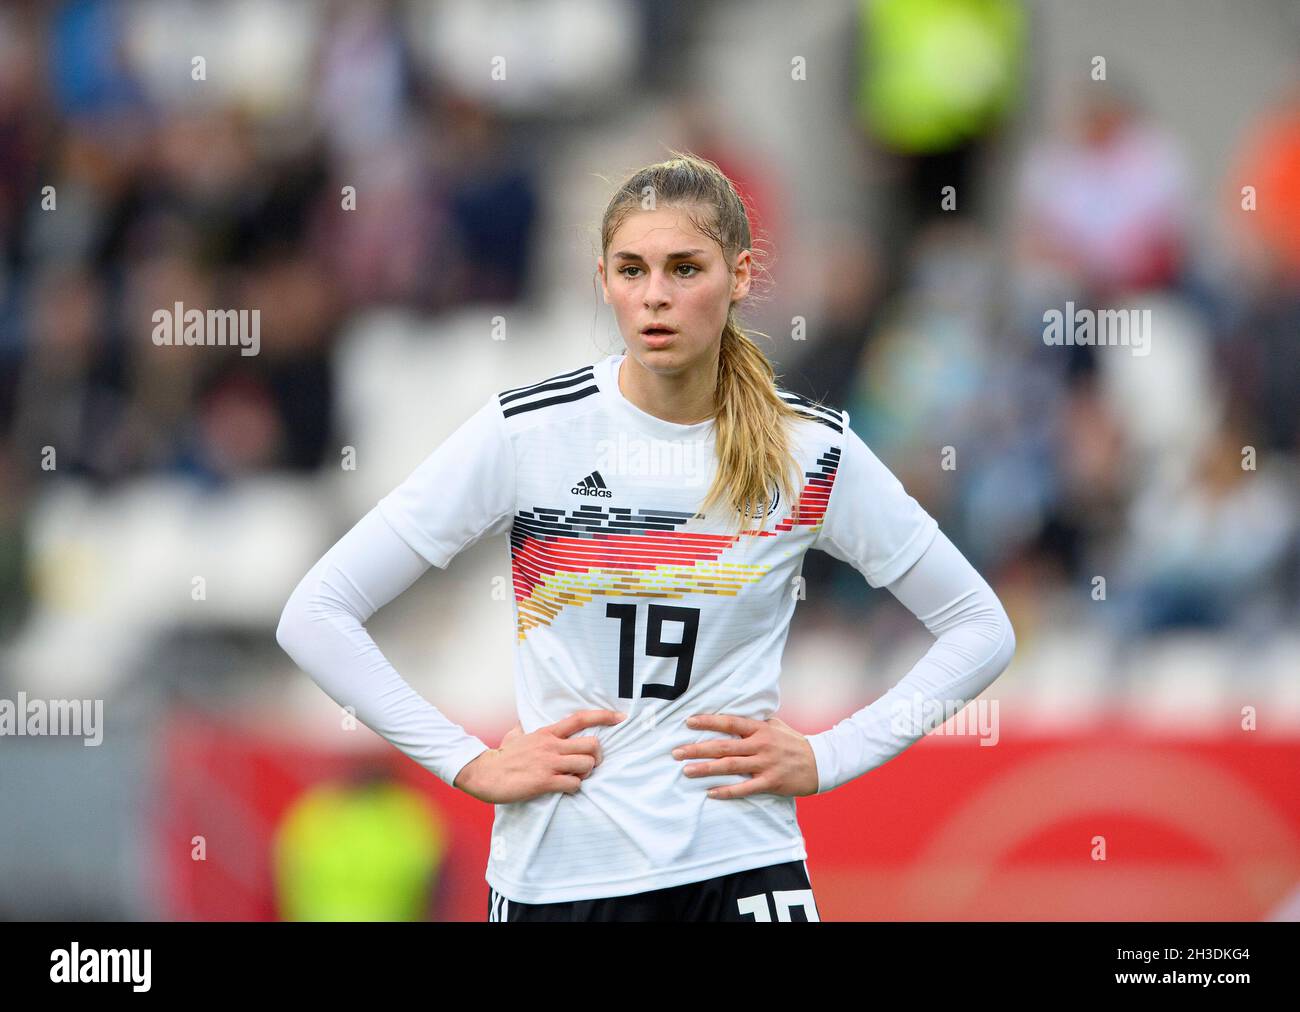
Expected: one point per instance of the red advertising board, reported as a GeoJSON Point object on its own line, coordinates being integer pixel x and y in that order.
{"type": "Point", "coordinates": [1105, 824]}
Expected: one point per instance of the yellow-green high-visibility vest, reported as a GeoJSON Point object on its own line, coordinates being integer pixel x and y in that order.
{"type": "Point", "coordinates": [937, 72]}
{"type": "Point", "coordinates": [357, 853]}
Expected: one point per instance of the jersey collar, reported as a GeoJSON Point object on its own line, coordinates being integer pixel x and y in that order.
{"type": "Point", "coordinates": [606, 374]}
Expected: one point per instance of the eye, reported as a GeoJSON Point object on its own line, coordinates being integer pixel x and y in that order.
{"type": "Point", "coordinates": [631, 267]}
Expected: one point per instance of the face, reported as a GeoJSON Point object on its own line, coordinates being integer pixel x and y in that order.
{"type": "Point", "coordinates": [662, 271]}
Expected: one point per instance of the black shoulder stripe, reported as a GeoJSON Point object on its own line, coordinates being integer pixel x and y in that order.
{"type": "Point", "coordinates": [813, 416]}
{"type": "Point", "coordinates": [545, 402]}
{"type": "Point", "coordinates": [549, 379]}
{"type": "Point", "coordinates": [820, 412]}
{"type": "Point", "coordinates": [790, 397]}
{"type": "Point", "coordinates": [545, 386]}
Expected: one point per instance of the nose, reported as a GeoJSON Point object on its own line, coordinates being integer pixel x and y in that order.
{"type": "Point", "coordinates": [656, 290]}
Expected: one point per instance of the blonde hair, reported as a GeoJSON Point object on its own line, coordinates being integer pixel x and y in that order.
{"type": "Point", "coordinates": [751, 423]}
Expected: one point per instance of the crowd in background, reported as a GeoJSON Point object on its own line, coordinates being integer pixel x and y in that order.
{"type": "Point", "coordinates": [1174, 473]}
{"type": "Point", "coordinates": [1070, 461]}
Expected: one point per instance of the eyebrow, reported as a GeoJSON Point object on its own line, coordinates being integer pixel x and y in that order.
{"type": "Point", "coordinates": [682, 254]}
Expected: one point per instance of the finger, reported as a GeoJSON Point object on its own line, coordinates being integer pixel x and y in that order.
{"type": "Point", "coordinates": [574, 746]}
{"type": "Point", "coordinates": [565, 784]}
{"type": "Point", "coordinates": [724, 767]}
{"type": "Point", "coordinates": [715, 747]}
{"type": "Point", "coordinates": [755, 785]}
{"type": "Point", "coordinates": [575, 722]}
{"type": "Point", "coordinates": [729, 722]}
{"type": "Point", "coordinates": [581, 746]}
{"type": "Point", "coordinates": [577, 764]}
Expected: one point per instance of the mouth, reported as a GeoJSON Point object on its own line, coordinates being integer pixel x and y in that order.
{"type": "Point", "coordinates": [657, 331]}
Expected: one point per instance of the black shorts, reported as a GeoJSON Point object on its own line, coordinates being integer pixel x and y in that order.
{"type": "Point", "coordinates": [778, 892]}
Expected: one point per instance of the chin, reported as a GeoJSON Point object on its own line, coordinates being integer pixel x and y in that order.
{"type": "Point", "coordinates": [660, 358]}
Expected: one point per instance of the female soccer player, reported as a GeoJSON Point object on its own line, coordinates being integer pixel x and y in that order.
{"type": "Point", "coordinates": [648, 615]}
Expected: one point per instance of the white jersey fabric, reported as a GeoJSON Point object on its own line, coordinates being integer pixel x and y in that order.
{"type": "Point", "coordinates": [625, 598]}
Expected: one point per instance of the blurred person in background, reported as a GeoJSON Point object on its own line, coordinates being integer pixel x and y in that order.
{"type": "Point", "coordinates": [368, 100]}
{"type": "Point", "coordinates": [924, 381]}
{"type": "Point", "coordinates": [827, 370]}
{"type": "Point", "coordinates": [66, 397]}
{"type": "Point", "coordinates": [936, 79]}
{"type": "Point", "coordinates": [703, 129]}
{"type": "Point", "coordinates": [487, 182]}
{"type": "Point", "coordinates": [367, 849]}
{"type": "Point", "coordinates": [1105, 204]}
{"type": "Point", "coordinates": [1268, 161]}
{"type": "Point", "coordinates": [1260, 352]}
{"type": "Point", "coordinates": [1206, 548]}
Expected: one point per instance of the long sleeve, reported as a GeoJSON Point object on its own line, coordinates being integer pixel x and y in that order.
{"type": "Point", "coordinates": [974, 643]}
{"type": "Point", "coordinates": [323, 629]}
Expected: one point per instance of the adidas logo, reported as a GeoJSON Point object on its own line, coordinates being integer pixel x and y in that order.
{"type": "Point", "coordinates": [593, 484]}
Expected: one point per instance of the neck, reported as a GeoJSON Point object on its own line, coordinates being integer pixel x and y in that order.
{"type": "Point", "coordinates": [683, 398]}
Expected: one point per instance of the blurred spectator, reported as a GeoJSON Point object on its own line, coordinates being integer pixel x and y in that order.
{"type": "Point", "coordinates": [299, 317]}
{"type": "Point", "coordinates": [1261, 358]}
{"type": "Point", "coordinates": [1269, 161]}
{"type": "Point", "coordinates": [926, 368]}
{"type": "Point", "coordinates": [1204, 546]}
{"type": "Point", "coordinates": [848, 293]}
{"type": "Point", "coordinates": [22, 138]}
{"type": "Point", "coordinates": [237, 431]}
{"type": "Point", "coordinates": [1106, 204]}
{"type": "Point", "coordinates": [702, 129]}
{"type": "Point", "coordinates": [489, 189]}
{"type": "Point", "coordinates": [69, 396]}
{"type": "Point", "coordinates": [936, 78]}
{"type": "Point", "coordinates": [88, 65]}
{"type": "Point", "coordinates": [827, 368]}
{"type": "Point", "coordinates": [1259, 351]}
{"type": "Point", "coordinates": [487, 50]}
{"type": "Point", "coordinates": [377, 251]}
{"type": "Point", "coordinates": [363, 77]}
{"type": "Point", "coordinates": [369, 850]}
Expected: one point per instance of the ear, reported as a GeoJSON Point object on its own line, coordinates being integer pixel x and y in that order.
{"type": "Point", "coordinates": [743, 275]}
{"type": "Point", "coordinates": [600, 271]}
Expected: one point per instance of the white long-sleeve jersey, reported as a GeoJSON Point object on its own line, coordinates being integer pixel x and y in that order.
{"type": "Point", "coordinates": [626, 598]}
